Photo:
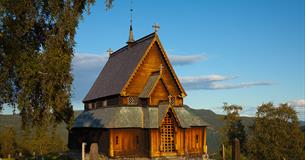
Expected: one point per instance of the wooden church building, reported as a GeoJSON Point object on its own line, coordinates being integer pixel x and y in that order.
{"type": "Point", "coordinates": [135, 107]}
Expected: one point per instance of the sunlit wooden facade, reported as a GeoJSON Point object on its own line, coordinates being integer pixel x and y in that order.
{"type": "Point", "coordinates": [135, 107]}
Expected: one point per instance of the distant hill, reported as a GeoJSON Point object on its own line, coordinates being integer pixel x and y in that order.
{"type": "Point", "coordinates": [213, 132]}
{"type": "Point", "coordinates": [216, 123]}
{"type": "Point", "coordinates": [302, 123]}
{"type": "Point", "coordinates": [15, 122]}
{"type": "Point", "coordinates": [303, 128]}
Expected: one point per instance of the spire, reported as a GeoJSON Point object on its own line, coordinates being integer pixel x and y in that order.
{"type": "Point", "coordinates": [130, 39]}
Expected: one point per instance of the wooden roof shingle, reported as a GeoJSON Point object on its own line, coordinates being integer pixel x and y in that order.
{"type": "Point", "coordinates": [119, 67]}
{"type": "Point", "coordinates": [150, 85]}
{"type": "Point", "coordinates": [135, 117]}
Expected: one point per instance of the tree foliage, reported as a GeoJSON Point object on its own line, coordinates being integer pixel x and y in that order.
{"type": "Point", "coordinates": [7, 142]}
{"type": "Point", "coordinates": [233, 127]}
{"type": "Point", "coordinates": [41, 141]}
{"type": "Point", "coordinates": [37, 40]}
{"type": "Point", "coordinates": [228, 154]}
{"type": "Point", "coordinates": [276, 134]}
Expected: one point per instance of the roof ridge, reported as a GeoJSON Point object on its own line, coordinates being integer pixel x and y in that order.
{"type": "Point", "coordinates": [145, 37]}
{"type": "Point", "coordinates": [135, 42]}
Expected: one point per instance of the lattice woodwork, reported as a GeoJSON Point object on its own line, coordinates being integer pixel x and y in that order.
{"type": "Point", "coordinates": [168, 134]}
{"type": "Point", "coordinates": [132, 100]}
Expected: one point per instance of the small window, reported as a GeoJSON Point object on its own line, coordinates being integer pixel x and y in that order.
{"type": "Point", "coordinates": [116, 140]}
{"type": "Point", "coordinates": [93, 105]}
{"type": "Point", "coordinates": [137, 139]}
{"type": "Point", "coordinates": [144, 102]}
{"type": "Point", "coordinates": [104, 103]}
{"type": "Point", "coordinates": [197, 138]}
{"type": "Point", "coordinates": [90, 106]}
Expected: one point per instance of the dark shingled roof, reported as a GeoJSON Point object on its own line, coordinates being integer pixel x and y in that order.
{"type": "Point", "coordinates": [150, 85]}
{"type": "Point", "coordinates": [135, 117]}
{"type": "Point", "coordinates": [118, 69]}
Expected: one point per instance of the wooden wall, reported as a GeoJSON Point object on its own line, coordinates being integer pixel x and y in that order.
{"type": "Point", "coordinates": [138, 142]}
{"type": "Point", "coordinates": [154, 142]}
{"type": "Point", "coordinates": [152, 63]}
{"type": "Point", "coordinates": [194, 140]}
{"type": "Point", "coordinates": [128, 142]}
{"type": "Point", "coordinates": [180, 145]}
{"type": "Point", "coordinates": [103, 102]}
{"type": "Point", "coordinates": [185, 142]}
{"type": "Point", "coordinates": [159, 94]}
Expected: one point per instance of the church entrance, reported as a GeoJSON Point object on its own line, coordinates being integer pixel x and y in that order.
{"type": "Point", "coordinates": [168, 134]}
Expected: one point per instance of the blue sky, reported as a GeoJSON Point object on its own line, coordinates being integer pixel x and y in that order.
{"type": "Point", "coordinates": [244, 52]}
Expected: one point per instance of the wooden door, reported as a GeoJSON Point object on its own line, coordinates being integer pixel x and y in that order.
{"type": "Point", "coordinates": [168, 134]}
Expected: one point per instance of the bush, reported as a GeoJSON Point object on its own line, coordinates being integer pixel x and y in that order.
{"type": "Point", "coordinates": [8, 142]}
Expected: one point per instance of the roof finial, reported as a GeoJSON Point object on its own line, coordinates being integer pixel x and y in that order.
{"type": "Point", "coordinates": [156, 27]}
{"type": "Point", "coordinates": [130, 39]}
{"type": "Point", "coordinates": [109, 51]}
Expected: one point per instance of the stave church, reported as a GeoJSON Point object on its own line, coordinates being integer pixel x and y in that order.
{"type": "Point", "coordinates": [135, 107]}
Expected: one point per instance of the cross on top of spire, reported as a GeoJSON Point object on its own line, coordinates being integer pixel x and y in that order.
{"type": "Point", "coordinates": [109, 51]}
{"type": "Point", "coordinates": [130, 39]}
{"type": "Point", "coordinates": [156, 27]}
{"type": "Point", "coordinates": [131, 10]}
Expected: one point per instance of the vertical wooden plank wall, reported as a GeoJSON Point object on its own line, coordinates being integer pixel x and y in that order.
{"type": "Point", "coordinates": [111, 153]}
{"type": "Point", "coordinates": [152, 63]}
{"type": "Point", "coordinates": [126, 142]}
{"type": "Point", "coordinates": [185, 142]}
{"type": "Point", "coordinates": [180, 141]}
{"type": "Point", "coordinates": [194, 146]}
{"type": "Point", "coordinates": [205, 140]}
{"type": "Point", "coordinates": [160, 93]}
{"type": "Point", "coordinates": [154, 143]}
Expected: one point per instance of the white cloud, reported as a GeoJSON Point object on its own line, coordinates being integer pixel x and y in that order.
{"type": "Point", "coordinates": [88, 61]}
{"type": "Point", "coordinates": [297, 103]}
{"type": "Point", "coordinates": [212, 82]}
{"type": "Point", "coordinates": [241, 85]}
{"type": "Point", "coordinates": [85, 61]}
{"type": "Point", "coordinates": [199, 79]}
{"type": "Point", "coordinates": [186, 59]}
{"type": "Point", "coordinates": [85, 69]}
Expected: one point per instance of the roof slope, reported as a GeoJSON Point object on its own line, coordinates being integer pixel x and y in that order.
{"type": "Point", "coordinates": [134, 117]}
{"type": "Point", "coordinates": [119, 67]}
{"type": "Point", "coordinates": [110, 117]}
{"type": "Point", "coordinates": [150, 85]}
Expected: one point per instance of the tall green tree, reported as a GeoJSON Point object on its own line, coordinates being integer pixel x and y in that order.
{"type": "Point", "coordinates": [37, 40]}
{"type": "Point", "coordinates": [233, 127]}
{"type": "Point", "coordinates": [276, 134]}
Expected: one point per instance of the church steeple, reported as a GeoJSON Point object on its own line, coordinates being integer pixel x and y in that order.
{"type": "Point", "coordinates": [130, 39]}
